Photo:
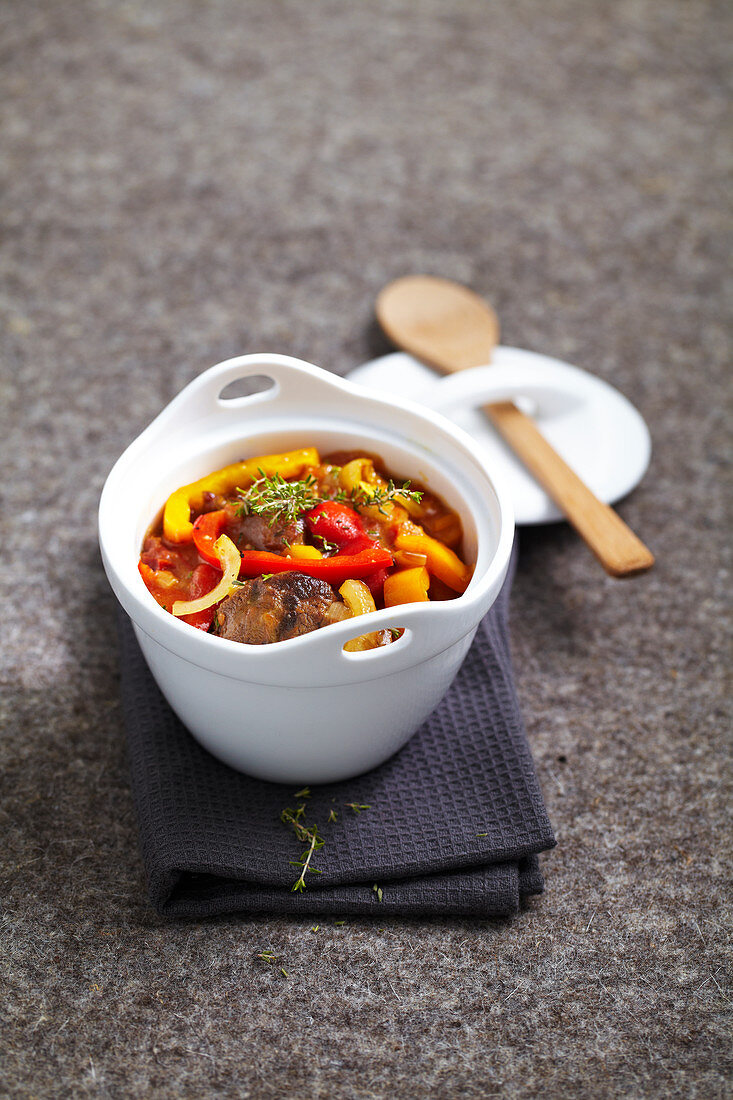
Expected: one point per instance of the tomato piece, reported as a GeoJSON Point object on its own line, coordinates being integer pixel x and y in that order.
{"type": "Point", "coordinates": [340, 525]}
{"type": "Point", "coordinates": [156, 555]}
{"type": "Point", "coordinates": [203, 579]}
{"type": "Point", "coordinates": [162, 584]}
{"type": "Point", "coordinates": [375, 582]}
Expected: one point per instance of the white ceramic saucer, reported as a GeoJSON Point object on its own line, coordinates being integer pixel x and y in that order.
{"type": "Point", "coordinates": [596, 430]}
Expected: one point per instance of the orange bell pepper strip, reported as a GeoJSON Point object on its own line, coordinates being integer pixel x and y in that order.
{"type": "Point", "coordinates": [441, 561]}
{"type": "Point", "coordinates": [177, 526]}
{"type": "Point", "coordinates": [407, 586]}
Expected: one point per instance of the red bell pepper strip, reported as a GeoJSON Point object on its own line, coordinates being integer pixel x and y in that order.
{"type": "Point", "coordinates": [206, 531]}
{"type": "Point", "coordinates": [335, 570]}
{"type": "Point", "coordinates": [148, 575]}
{"type": "Point", "coordinates": [340, 525]}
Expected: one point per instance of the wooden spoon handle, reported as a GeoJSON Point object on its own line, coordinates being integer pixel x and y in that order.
{"type": "Point", "coordinates": [615, 545]}
{"type": "Point", "coordinates": [450, 327]}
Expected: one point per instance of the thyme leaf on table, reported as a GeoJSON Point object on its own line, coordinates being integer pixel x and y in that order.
{"type": "Point", "coordinates": [306, 834]}
{"type": "Point", "coordinates": [310, 836]}
{"type": "Point", "coordinates": [271, 957]}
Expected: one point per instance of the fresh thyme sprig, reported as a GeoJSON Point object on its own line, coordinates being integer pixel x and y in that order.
{"type": "Point", "coordinates": [284, 501]}
{"type": "Point", "coordinates": [375, 496]}
{"type": "Point", "coordinates": [326, 546]}
{"type": "Point", "coordinates": [277, 498]}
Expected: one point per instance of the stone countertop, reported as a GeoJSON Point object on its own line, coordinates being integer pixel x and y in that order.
{"type": "Point", "coordinates": [185, 181]}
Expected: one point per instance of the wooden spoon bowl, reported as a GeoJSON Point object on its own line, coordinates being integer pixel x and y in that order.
{"type": "Point", "coordinates": [449, 327]}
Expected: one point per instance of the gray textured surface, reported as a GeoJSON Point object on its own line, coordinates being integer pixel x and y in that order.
{"type": "Point", "coordinates": [183, 181]}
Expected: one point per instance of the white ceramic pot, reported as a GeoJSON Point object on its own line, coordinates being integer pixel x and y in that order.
{"type": "Point", "coordinates": [304, 710]}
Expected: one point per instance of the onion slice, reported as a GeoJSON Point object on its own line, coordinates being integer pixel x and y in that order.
{"type": "Point", "coordinates": [231, 560]}
{"type": "Point", "coordinates": [359, 601]}
{"type": "Point", "coordinates": [357, 597]}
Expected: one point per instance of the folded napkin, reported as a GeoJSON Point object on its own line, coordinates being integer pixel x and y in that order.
{"type": "Point", "coordinates": [451, 825]}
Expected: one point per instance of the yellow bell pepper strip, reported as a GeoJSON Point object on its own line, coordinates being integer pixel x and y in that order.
{"type": "Point", "coordinates": [441, 561]}
{"type": "Point", "coordinates": [407, 586]}
{"type": "Point", "coordinates": [228, 556]}
{"type": "Point", "coordinates": [301, 552]}
{"type": "Point", "coordinates": [177, 526]}
{"type": "Point", "coordinates": [335, 569]}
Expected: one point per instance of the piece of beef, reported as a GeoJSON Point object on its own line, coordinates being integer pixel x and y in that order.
{"type": "Point", "coordinates": [275, 608]}
{"type": "Point", "coordinates": [260, 534]}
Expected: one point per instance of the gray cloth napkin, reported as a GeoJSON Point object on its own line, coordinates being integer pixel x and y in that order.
{"type": "Point", "coordinates": [453, 823]}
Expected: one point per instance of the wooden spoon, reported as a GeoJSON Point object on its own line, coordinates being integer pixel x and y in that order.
{"type": "Point", "coordinates": [449, 327]}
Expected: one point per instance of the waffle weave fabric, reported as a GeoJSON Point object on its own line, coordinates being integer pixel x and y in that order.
{"type": "Point", "coordinates": [453, 823]}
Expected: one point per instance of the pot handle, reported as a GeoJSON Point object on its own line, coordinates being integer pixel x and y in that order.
{"type": "Point", "coordinates": [293, 379]}
{"type": "Point", "coordinates": [524, 383]}
{"type": "Point", "coordinates": [427, 629]}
